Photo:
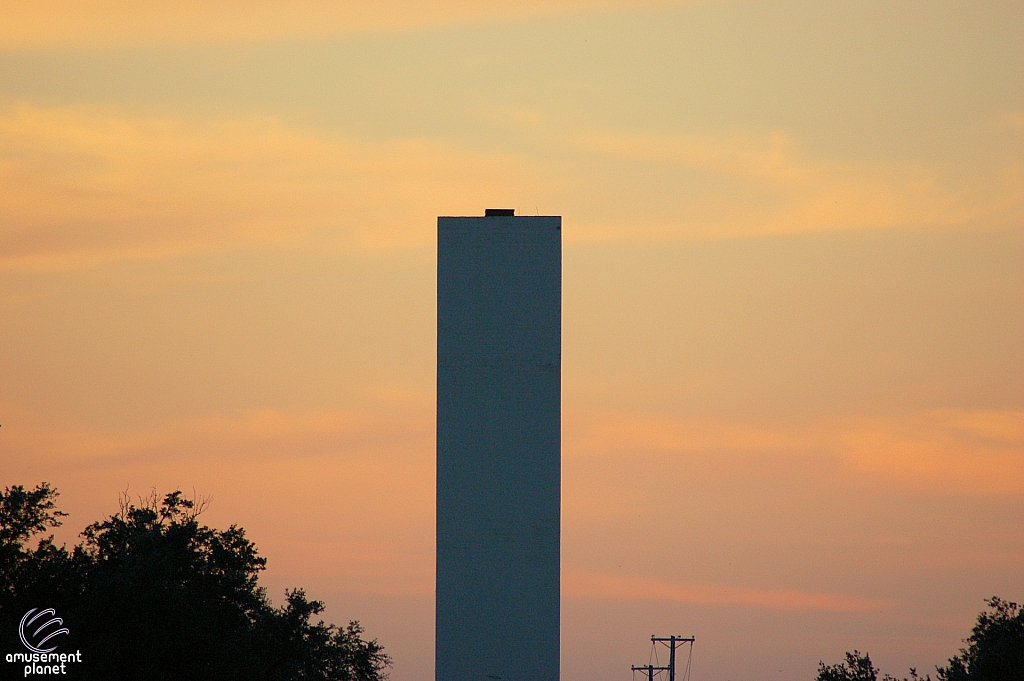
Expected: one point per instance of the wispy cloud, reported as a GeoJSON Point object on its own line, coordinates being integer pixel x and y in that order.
{"type": "Point", "coordinates": [348, 492]}
{"type": "Point", "coordinates": [87, 185]}
{"type": "Point", "coordinates": [587, 586]}
{"type": "Point", "coordinates": [774, 186]}
{"type": "Point", "coordinates": [392, 433]}
{"type": "Point", "coordinates": [959, 451]}
{"type": "Point", "coordinates": [106, 23]}
{"type": "Point", "coordinates": [972, 452]}
{"type": "Point", "coordinates": [345, 495]}
{"type": "Point", "coordinates": [84, 185]}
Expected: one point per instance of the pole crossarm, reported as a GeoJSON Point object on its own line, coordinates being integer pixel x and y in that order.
{"type": "Point", "coordinates": [650, 669]}
{"type": "Point", "coordinates": [672, 642]}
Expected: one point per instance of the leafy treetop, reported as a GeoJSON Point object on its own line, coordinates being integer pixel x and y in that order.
{"type": "Point", "coordinates": [994, 652]}
{"type": "Point", "coordinates": [152, 593]}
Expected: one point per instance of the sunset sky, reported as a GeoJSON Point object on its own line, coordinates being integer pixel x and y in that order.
{"type": "Point", "coordinates": [793, 338]}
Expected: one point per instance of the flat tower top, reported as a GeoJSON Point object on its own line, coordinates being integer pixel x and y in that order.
{"type": "Point", "coordinates": [499, 212]}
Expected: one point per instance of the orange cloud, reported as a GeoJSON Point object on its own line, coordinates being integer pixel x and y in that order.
{"type": "Point", "coordinates": [975, 452]}
{"type": "Point", "coordinates": [347, 494]}
{"type": "Point", "coordinates": [84, 186]}
{"type": "Point", "coordinates": [107, 23]}
{"type": "Point", "coordinates": [343, 495]}
{"type": "Point", "coordinates": [658, 433]}
{"type": "Point", "coordinates": [780, 188]}
{"type": "Point", "coordinates": [244, 435]}
{"type": "Point", "coordinates": [958, 451]}
{"type": "Point", "coordinates": [627, 588]}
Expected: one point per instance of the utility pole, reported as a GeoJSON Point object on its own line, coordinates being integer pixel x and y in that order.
{"type": "Point", "coordinates": [672, 642]}
{"type": "Point", "coordinates": [650, 669]}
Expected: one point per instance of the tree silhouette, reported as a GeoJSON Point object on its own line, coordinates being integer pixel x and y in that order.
{"type": "Point", "coordinates": [857, 667]}
{"type": "Point", "coordinates": [995, 648]}
{"type": "Point", "coordinates": [994, 652]}
{"type": "Point", "coordinates": [152, 593]}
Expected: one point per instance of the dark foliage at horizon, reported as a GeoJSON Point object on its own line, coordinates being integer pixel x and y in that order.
{"type": "Point", "coordinates": [857, 667]}
{"type": "Point", "coordinates": [995, 648]}
{"type": "Point", "coordinates": [994, 652]}
{"type": "Point", "coordinates": [151, 593]}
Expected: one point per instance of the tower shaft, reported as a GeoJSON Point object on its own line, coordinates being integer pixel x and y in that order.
{"type": "Point", "coordinates": [498, 448]}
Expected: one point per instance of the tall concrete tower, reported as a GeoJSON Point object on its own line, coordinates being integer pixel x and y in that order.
{"type": "Point", "coordinates": [499, 328]}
